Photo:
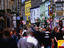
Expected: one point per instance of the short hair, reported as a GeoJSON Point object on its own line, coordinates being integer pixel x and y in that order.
{"type": "Point", "coordinates": [6, 33]}
{"type": "Point", "coordinates": [25, 34]}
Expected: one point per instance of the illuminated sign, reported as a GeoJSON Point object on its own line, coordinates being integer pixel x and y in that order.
{"type": "Point", "coordinates": [27, 8]}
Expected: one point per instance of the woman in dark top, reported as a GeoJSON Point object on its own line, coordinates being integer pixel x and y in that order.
{"type": "Point", "coordinates": [57, 36]}
{"type": "Point", "coordinates": [1, 40]}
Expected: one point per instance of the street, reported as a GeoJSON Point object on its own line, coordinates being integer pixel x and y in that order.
{"type": "Point", "coordinates": [31, 23]}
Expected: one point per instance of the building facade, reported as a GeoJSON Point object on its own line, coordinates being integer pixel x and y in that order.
{"type": "Point", "coordinates": [59, 7]}
{"type": "Point", "coordinates": [44, 10]}
{"type": "Point", "coordinates": [8, 5]}
{"type": "Point", "coordinates": [34, 3]}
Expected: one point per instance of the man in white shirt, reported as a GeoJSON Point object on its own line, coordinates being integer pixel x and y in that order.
{"type": "Point", "coordinates": [28, 41]}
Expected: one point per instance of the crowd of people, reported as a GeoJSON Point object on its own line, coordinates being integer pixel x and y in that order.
{"type": "Point", "coordinates": [33, 36]}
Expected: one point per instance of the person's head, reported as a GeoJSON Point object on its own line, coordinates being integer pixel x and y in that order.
{"type": "Point", "coordinates": [30, 32]}
{"type": "Point", "coordinates": [58, 31]}
{"type": "Point", "coordinates": [36, 28]}
{"type": "Point", "coordinates": [21, 30]}
{"type": "Point", "coordinates": [60, 23]}
{"type": "Point", "coordinates": [32, 25]}
{"type": "Point", "coordinates": [6, 34]}
{"type": "Point", "coordinates": [44, 29]}
{"type": "Point", "coordinates": [11, 33]}
{"type": "Point", "coordinates": [25, 28]}
{"type": "Point", "coordinates": [48, 29]}
{"type": "Point", "coordinates": [40, 29]}
{"type": "Point", "coordinates": [55, 29]}
{"type": "Point", "coordinates": [14, 32]}
{"type": "Point", "coordinates": [24, 34]}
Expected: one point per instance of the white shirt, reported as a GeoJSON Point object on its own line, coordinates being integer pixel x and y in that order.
{"type": "Point", "coordinates": [32, 39]}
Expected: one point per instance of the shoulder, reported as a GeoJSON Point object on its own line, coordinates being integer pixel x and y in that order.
{"type": "Point", "coordinates": [32, 40]}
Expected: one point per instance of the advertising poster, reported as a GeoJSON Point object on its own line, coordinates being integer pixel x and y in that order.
{"type": "Point", "coordinates": [60, 43]}
{"type": "Point", "coordinates": [32, 16]}
{"type": "Point", "coordinates": [50, 10]}
{"type": "Point", "coordinates": [27, 8]}
{"type": "Point", "coordinates": [35, 14]}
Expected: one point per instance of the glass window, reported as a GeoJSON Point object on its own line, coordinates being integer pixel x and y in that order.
{"type": "Point", "coordinates": [59, 9]}
{"type": "Point", "coordinates": [59, 5]}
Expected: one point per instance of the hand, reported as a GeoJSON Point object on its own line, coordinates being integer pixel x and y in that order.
{"type": "Point", "coordinates": [56, 41]}
{"type": "Point", "coordinates": [20, 34]}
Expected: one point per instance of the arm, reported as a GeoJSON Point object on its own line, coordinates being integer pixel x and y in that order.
{"type": "Point", "coordinates": [55, 39]}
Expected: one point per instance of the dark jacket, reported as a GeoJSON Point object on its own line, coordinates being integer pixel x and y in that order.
{"type": "Point", "coordinates": [9, 43]}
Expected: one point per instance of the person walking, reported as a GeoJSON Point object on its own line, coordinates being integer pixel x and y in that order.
{"type": "Point", "coordinates": [28, 40]}
{"type": "Point", "coordinates": [47, 39]}
{"type": "Point", "coordinates": [8, 42]}
{"type": "Point", "coordinates": [56, 34]}
{"type": "Point", "coordinates": [1, 40]}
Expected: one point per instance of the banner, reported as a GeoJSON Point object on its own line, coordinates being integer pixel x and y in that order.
{"type": "Point", "coordinates": [27, 8]}
{"type": "Point", "coordinates": [32, 16]}
{"type": "Point", "coordinates": [60, 43]}
{"type": "Point", "coordinates": [35, 14]}
{"type": "Point", "coordinates": [50, 11]}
